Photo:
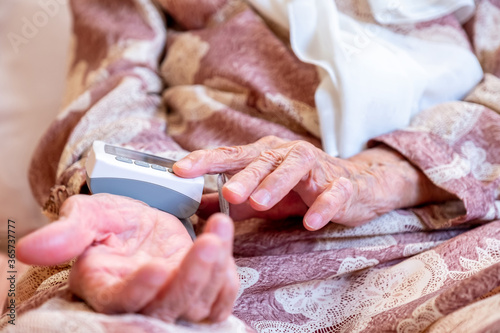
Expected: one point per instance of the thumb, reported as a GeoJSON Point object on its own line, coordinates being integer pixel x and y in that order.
{"type": "Point", "coordinates": [55, 243]}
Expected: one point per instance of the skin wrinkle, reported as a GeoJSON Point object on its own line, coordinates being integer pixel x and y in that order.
{"type": "Point", "coordinates": [272, 157]}
{"type": "Point", "coordinates": [111, 271]}
{"type": "Point", "coordinates": [335, 199]}
{"type": "Point", "coordinates": [379, 179]}
{"type": "Point", "coordinates": [137, 228]}
{"type": "Point", "coordinates": [241, 156]}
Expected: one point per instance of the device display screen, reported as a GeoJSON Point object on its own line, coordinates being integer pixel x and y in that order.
{"type": "Point", "coordinates": [138, 156]}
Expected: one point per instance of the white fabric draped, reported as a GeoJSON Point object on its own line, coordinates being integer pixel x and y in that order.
{"type": "Point", "coordinates": [373, 80]}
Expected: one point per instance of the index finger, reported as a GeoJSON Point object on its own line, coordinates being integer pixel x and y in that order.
{"type": "Point", "coordinates": [220, 160]}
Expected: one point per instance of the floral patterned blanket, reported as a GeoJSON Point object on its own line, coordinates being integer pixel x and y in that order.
{"type": "Point", "coordinates": [179, 75]}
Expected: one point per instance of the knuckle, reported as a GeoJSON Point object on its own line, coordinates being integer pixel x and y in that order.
{"type": "Point", "coordinates": [271, 140]}
{"type": "Point", "coordinates": [198, 153]}
{"type": "Point", "coordinates": [305, 150]}
{"type": "Point", "coordinates": [328, 197]}
{"type": "Point", "coordinates": [271, 156]}
{"type": "Point", "coordinates": [234, 152]}
{"type": "Point", "coordinates": [344, 185]}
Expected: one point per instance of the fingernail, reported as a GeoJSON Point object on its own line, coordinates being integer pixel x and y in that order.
{"type": "Point", "coordinates": [185, 164]}
{"type": "Point", "coordinates": [209, 253]}
{"type": "Point", "coordinates": [314, 221]}
{"type": "Point", "coordinates": [236, 188]}
{"type": "Point", "coordinates": [262, 197]}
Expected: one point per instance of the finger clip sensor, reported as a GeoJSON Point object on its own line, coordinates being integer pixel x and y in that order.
{"type": "Point", "coordinates": [223, 204]}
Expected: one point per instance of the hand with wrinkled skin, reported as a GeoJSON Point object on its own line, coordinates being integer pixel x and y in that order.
{"type": "Point", "coordinates": [134, 258]}
{"type": "Point", "coordinates": [280, 178]}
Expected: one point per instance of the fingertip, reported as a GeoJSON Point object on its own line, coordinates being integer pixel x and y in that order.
{"type": "Point", "coordinates": [54, 244]}
{"type": "Point", "coordinates": [182, 168]}
{"type": "Point", "coordinates": [346, 185]}
{"type": "Point", "coordinates": [222, 226]}
{"type": "Point", "coordinates": [23, 250]}
{"type": "Point", "coordinates": [221, 218]}
{"type": "Point", "coordinates": [314, 221]}
{"type": "Point", "coordinates": [234, 194]}
{"type": "Point", "coordinates": [189, 167]}
{"type": "Point", "coordinates": [29, 249]}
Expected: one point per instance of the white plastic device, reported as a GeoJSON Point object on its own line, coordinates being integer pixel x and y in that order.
{"type": "Point", "coordinates": [149, 178]}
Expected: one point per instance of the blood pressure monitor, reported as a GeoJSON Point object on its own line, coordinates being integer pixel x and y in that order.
{"type": "Point", "coordinates": [145, 177]}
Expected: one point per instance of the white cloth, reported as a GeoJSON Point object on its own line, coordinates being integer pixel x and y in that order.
{"type": "Point", "coordinates": [412, 11]}
{"type": "Point", "coordinates": [372, 80]}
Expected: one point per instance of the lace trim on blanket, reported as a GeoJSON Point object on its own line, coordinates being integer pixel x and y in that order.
{"type": "Point", "coordinates": [486, 257]}
{"type": "Point", "coordinates": [348, 302]}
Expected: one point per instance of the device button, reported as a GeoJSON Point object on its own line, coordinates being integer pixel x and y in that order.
{"type": "Point", "coordinates": [142, 164]}
{"type": "Point", "coordinates": [123, 159]}
{"type": "Point", "coordinates": [158, 167]}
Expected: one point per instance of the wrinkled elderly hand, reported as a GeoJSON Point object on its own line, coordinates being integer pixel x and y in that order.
{"type": "Point", "coordinates": [272, 172]}
{"type": "Point", "coordinates": [133, 258]}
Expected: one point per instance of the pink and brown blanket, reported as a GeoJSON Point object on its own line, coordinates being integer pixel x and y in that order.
{"type": "Point", "coordinates": [182, 75]}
